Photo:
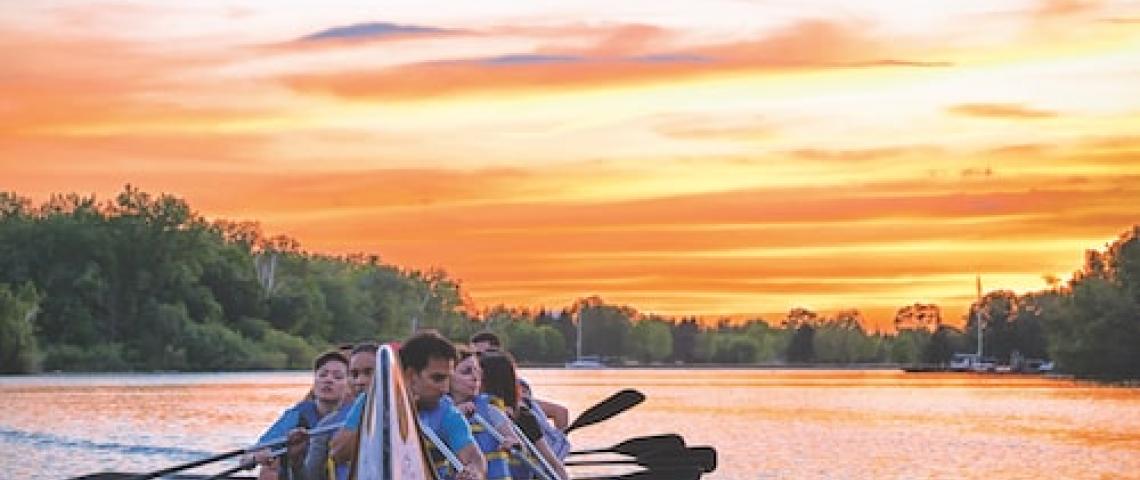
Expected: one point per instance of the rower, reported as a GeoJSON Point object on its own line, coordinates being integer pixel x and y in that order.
{"type": "Point", "coordinates": [427, 360]}
{"type": "Point", "coordinates": [361, 368]}
{"type": "Point", "coordinates": [552, 417]}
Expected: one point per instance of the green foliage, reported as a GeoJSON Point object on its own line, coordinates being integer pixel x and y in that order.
{"type": "Point", "coordinates": [802, 346]}
{"type": "Point", "coordinates": [101, 357]}
{"type": "Point", "coordinates": [141, 282]}
{"type": "Point", "coordinates": [908, 346]}
{"type": "Point", "coordinates": [19, 350]}
{"type": "Point", "coordinates": [651, 340]}
{"type": "Point", "coordinates": [605, 328]}
{"type": "Point", "coordinates": [298, 353]}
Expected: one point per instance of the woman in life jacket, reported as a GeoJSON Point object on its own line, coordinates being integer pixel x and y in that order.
{"type": "Point", "coordinates": [466, 380]}
{"type": "Point", "coordinates": [500, 382]}
{"type": "Point", "coordinates": [330, 384]}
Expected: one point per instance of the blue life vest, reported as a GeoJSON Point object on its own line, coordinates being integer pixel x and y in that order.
{"type": "Point", "coordinates": [307, 417]}
{"type": "Point", "coordinates": [498, 465]}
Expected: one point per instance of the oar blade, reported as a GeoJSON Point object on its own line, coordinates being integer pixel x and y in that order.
{"type": "Point", "coordinates": [663, 474]}
{"type": "Point", "coordinates": [606, 409]}
{"type": "Point", "coordinates": [703, 457]}
{"type": "Point", "coordinates": [639, 446]}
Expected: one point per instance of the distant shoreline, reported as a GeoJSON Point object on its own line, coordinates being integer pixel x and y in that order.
{"type": "Point", "coordinates": [728, 366]}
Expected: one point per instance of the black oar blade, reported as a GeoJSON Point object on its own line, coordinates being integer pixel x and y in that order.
{"type": "Point", "coordinates": [617, 403]}
{"type": "Point", "coordinates": [687, 473]}
{"type": "Point", "coordinates": [663, 474]}
{"type": "Point", "coordinates": [703, 457]}
{"type": "Point", "coordinates": [638, 446]}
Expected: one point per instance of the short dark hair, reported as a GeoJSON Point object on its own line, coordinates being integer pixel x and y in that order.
{"type": "Point", "coordinates": [418, 350]}
{"type": "Point", "coordinates": [487, 336]}
{"type": "Point", "coordinates": [333, 356]}
{"type": "Point", "coordinates": [499, 377]}
{"type": "Point", "coordinates": [365, 348]}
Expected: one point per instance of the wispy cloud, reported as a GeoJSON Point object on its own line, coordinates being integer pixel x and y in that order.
{"type": "Point", "coordinates": [685, 162]}
{"type": "Point", "coordinates": [1009, 111]}
{"type": "Point", "coordinates": [627, 56]}
{"type": "Point", "coordinates": [371, 31]}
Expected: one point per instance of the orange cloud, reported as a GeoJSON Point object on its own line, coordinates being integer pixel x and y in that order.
{"type": "Point", "coordinates": [56, 83]}
{"type": "Point", "coordinates": [623, 58]}
{"type": "Point", "coordinates": [1007, 111]}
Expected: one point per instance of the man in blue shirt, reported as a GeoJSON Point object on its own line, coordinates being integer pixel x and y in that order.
{"type": "Point", "coordinates": [427, 360]}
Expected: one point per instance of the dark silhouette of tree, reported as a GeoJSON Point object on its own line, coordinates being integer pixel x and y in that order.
{"type": "Point", "coordinates": [802, 347]}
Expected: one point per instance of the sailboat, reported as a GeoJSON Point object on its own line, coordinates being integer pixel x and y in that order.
{"type": "Point", "coordinates": [587, 361]}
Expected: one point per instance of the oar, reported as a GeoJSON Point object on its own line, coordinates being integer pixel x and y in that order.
{"type": "Point", "coordinates": [442, 447]}
{"type": "Point", "coordinates": [232, 453]}
{"type": "Point", "coordinates": [638, 446]}
{"type": "Point", "coordinates": [698, 457]}
{"type": "Point", "coordinates": [530, 446]}
{"type": "Point", "coordinates": [604, 410]}
{"type": "Point", "coordinates": [661, 474]}
{"type": "Point", "coordinates": [246, 465]}
{"type": "Point", "coordinates": [516, 451]}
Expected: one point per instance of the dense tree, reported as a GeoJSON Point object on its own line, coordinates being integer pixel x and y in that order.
{"type": "Point", "coordinates": [142, 282]}
{"type": "Point", "coordinates": [19, 350]}
{"type": "Point", "coordinates": [651, 340]}
{"type": "Point", "coordinates": [802, 346]}
{"type": "Point", "coordinates": [1093, 326]}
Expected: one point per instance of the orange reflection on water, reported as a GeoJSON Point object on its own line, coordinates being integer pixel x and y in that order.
{"type": "Point", "coordinates": [765, 424]}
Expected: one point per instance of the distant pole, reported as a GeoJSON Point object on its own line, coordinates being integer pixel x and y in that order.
{"type": "Point", "coordinates": [978, 317]}
{"type": "Point", "coordinates": [579, 349]}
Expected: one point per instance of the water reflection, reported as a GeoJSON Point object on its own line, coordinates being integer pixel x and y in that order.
{"type": "Point", "coordinates": [764, 423]}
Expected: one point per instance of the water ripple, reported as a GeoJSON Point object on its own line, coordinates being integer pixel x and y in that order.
{"type": "Point", "coordinates": [37, 439]}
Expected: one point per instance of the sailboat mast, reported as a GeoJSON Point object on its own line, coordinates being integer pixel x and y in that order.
{"type": "Point", "coordinates": [579, 349]}
{"type": "Point", "coordinates": [978, 317]}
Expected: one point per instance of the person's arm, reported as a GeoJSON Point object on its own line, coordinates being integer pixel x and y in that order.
{"type": "Point", "coordinates": [502, 424]}
{"type": "Point", "coordinates": [557, 413]}
{"type": "Point", "coordinates": [551, 459]}
{"type": "Point", "coordinates": [474, 463]}
{"type": "Point", "coordinates": [342, 447]}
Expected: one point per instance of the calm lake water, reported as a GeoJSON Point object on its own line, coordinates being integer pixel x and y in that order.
{"type": "Point", "coordinates": [766, 424]}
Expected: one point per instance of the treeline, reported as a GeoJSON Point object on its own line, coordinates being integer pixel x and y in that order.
{"type": "Point", "coordinates": [1090, 326]}
{"type": "Point", "coordinates": [142, 282]}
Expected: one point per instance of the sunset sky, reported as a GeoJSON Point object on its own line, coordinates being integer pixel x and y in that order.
{"type": "Point", "coordinates": [707, 157]}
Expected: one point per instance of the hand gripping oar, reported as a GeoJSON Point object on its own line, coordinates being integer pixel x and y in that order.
{"type": "Point", "coordinates": [246, 465]}
{"type": "Point", "coordinates": [516, 451]}
{"type": "Point", "coordinates": [663, 474]}
{"type": "Point", "coordinates": [638, 446]}
{"type": "Point", "coordinates": [604, 410]}
{"type": "Point", "coordinates": [233, 453]}
{"type": "Point", "coordinates": [697, 457]}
